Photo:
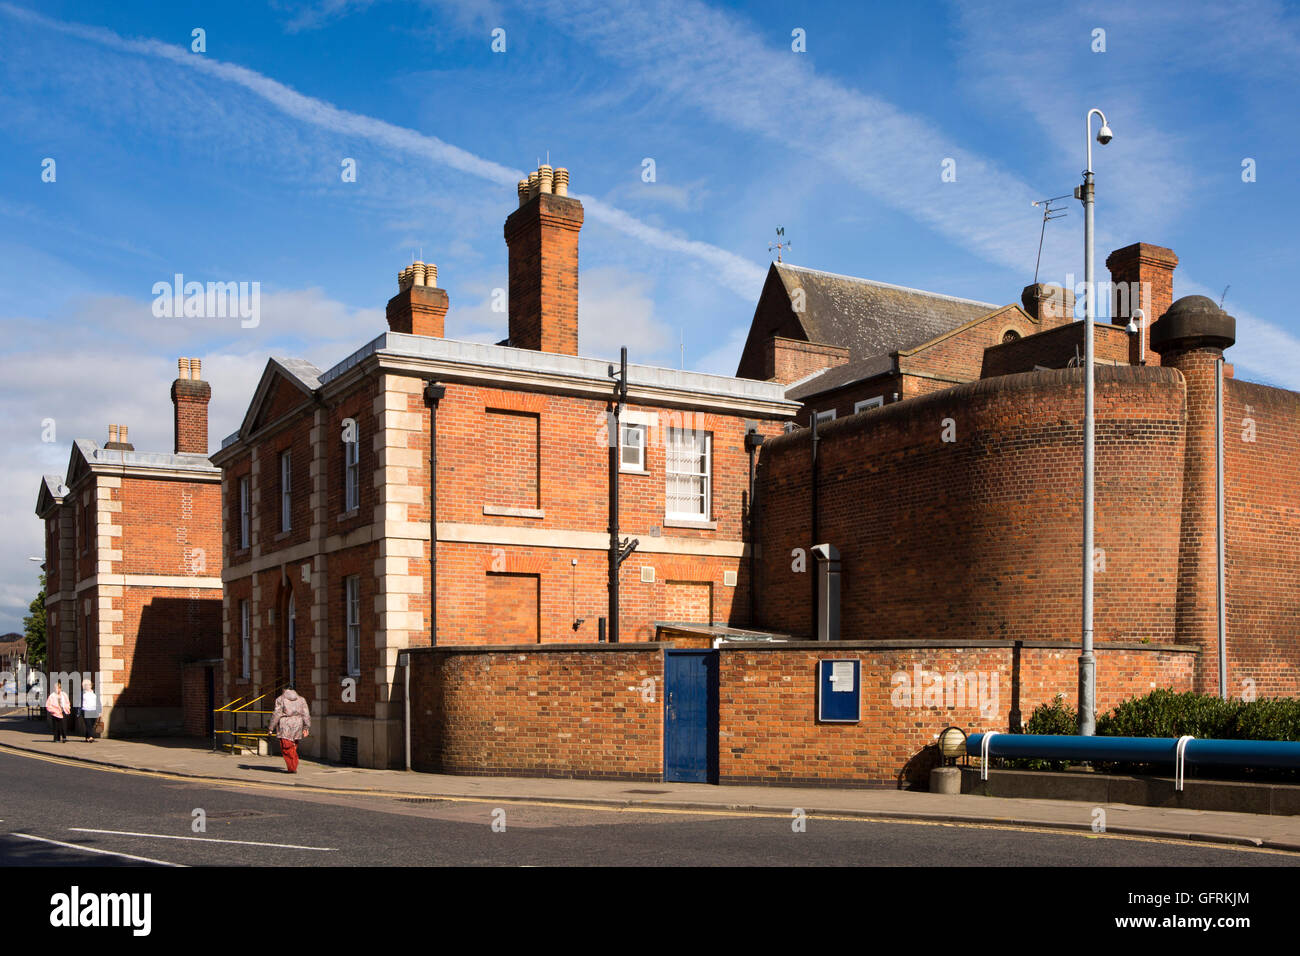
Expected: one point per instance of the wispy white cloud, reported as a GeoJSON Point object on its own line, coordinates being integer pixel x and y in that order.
{"type": "Point", "coordinates": [738, 273]}
{"type": "Point", "coordinates": [617, 308]}
{"type": "Point", "coordinates": [110, 367]}
{"type": "Point", "coordinates": [709, 59]}
{"type": "Point", "coordinates": [1148, 176]}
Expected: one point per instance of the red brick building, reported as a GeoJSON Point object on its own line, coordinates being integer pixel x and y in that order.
{"type": "Point", "coordinates": [453, 500]}
{"type": "Point", "coordinates": [335, 561]}
{"type": "Point", "coordinates": [133, 567]}
{"type": "Point", "coordinates": [947, 472]}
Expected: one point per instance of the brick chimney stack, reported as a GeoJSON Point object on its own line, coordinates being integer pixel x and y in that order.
{"type": "Point", "coordinates": [190, 396]}
{"type": "Point", "coordinates": [1051, 305]}
{"type": "Point", "coordinates": [542, 235]}
{"type": "Point", "coordinates": [420, 307]}
{"type": "Point", "coordinates": [1141, 276]}
{"type": "Point", "coordinates": [117, 439]}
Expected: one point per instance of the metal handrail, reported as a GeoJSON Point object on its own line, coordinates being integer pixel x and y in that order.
{"type": "Point", "coordinates": [240, 710]}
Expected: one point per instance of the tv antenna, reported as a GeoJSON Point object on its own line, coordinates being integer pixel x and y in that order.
{"type": "Point", "coordinates": [1224, 296]}
{"type": "Point", "coordinates": [780, 244]}
{"type": "Point", "coordinates": [1050, 212]}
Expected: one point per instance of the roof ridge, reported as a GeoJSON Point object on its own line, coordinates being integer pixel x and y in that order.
{"type": "Point", "coordinates": [885, 285]}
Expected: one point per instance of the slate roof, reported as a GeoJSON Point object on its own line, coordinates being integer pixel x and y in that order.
{"type": "Point", "coordinates": [873, 318]}
{"type": "Point", "coordinates": [54, 486]}
{"type": "Point", "coordinates": [300, 369]}
{"type": "Point", "coordinates": [95, 455]}
{"type": "Point", "coordinates": [840, 375]}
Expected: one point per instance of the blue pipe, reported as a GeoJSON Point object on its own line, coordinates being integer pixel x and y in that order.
{"type": "Point", "coordinates": [1237, 753]}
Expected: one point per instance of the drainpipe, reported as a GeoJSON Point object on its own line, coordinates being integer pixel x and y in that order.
{"type": "Point", "coordinates": [405, 660]}
{"type": "Point", "coordinates": [753, 441]}
{"type": "Point", "coordinates": [618, 553]}
{"type": "Point", "coordinates": [1218, 506]}
{"type": "Point", "coordinates": [815, 532]}
{"type": "Point", "coordinates": [433, 394]}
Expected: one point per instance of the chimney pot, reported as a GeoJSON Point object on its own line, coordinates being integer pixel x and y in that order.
{"type": "Point", "coordinates": [182, 368]}
{"type": "Point", "coordinates": [112, 433]}
{"type": "Point", "coordinates": [534, 181]}
{"type": "Point", "coordinates": [561, 185]}
{"type": "Point", "coordinates": [545, 177]}
{"type": "Point", "coordinates": [196, 368]}
{"type": "Point", "coordinates": [417, 272]}
{"type": "Point", "coordinates": [523, 191]}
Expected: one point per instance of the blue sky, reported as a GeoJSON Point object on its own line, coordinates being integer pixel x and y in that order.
{"type": "Point", "coordinates": [225, 166]}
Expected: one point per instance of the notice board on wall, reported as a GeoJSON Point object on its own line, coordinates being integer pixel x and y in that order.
{"type": "Point", "coordinates": [839, 691]}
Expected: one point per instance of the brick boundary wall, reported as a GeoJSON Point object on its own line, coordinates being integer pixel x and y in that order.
{"type": "Point", "coordinates": [768, 729]}
{"type": "Point", "coordinates": [577, 711]}
{"type": "Point", "coordinates": [554, 710]}
{"type": "Point", "coordinates": [1261, 439]}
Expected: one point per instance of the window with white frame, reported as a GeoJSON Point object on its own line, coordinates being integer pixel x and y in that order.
{"type": "Point", "coordinates": [245, 642]}
{"type": "Point", "coordinates": [689, 466]}
{"type": "Point", "coordinates": [352, 471]}
{"type": "Point", "coordinates": [826, 416]}
{"type": "Point", "coordinates": [632, 449]}
{"type": "Point", "coordinates": [245, 514]}
{"type": "Point", "coordinates": [868, 403]}
{"type": "Point", "coordinates": [352, 602]}
{"type": "Point", "coordinates": [286, 483]}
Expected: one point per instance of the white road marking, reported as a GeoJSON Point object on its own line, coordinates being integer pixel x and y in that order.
{"type": "Point", "coordinates": [91, 849]}
{"type": "Point", "coordinates": [168, 836]}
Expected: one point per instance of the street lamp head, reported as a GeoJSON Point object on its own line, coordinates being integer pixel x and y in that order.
{"type": "Point", "coordinates": [1104, 135]}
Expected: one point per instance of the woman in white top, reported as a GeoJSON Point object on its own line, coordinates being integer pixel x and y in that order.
{"type": "Point", "coordinates": [89, 710]}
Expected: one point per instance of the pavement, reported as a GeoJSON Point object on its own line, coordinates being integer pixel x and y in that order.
{"type": "Point", "coordinates": [194, 758]}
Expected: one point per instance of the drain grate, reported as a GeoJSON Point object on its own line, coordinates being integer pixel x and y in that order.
{"type": "Point", "coordinates": [647, 791]}
{"type": "Point", "coordinates": [420, 800]}
{"type": "Point", "coordinates": [348, 751]}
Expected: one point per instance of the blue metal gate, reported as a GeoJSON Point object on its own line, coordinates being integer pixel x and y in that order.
{"type": "Point", "coordinates": [691, 716]}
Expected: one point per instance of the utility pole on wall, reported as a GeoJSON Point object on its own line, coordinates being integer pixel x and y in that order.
{"type": "Point", "coordinates": [619, 551]}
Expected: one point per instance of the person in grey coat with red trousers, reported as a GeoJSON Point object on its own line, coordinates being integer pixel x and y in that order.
{"type": "Point", "coordinates": [291, 722]}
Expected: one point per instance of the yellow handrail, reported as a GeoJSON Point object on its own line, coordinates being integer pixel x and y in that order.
{"type": "Point", "coordinates": [239, 707]}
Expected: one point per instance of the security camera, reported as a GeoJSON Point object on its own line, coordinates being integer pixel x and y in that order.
{"type": "Point", "coordinates": [1104, 135]}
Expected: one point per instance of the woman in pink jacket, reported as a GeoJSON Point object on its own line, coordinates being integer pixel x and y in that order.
{"type": "Point", "coordinates": [291, 722]}
{"type": "Point", "coordinates": [60, 709]}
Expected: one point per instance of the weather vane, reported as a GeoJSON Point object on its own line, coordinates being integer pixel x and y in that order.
{"type": "Point", "coordinates": [780, 244]}
{"type": "Point", "coordinates": [1049, 213]}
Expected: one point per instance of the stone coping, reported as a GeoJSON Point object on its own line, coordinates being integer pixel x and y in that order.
{"type": "Point", "coordinates": [832, 646]}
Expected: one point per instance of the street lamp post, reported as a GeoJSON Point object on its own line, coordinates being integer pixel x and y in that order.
{"type": "Point", "coordinates": [1087, 661]}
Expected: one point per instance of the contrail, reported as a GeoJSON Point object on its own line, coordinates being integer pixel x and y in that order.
{"type": "Point", "coordinates": [737, 273]}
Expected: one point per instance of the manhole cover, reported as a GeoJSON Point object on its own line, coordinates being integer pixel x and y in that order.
{"type": "Point", "coordinates": [647, 791]}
